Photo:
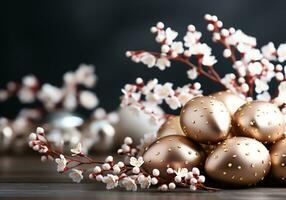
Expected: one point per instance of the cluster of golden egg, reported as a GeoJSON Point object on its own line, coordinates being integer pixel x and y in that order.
{"type": "Point", "coordinates": [226, 136]}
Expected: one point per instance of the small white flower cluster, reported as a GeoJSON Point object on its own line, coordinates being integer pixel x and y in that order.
{"type": "Point", "coordinates": [25, 90]}
{"type": "Point", "coordinates": [175, 50]}
{"type": "Point", "coordinates": [254, 68]}
{"type": "Point", "coordinates": [135, 95]}
{"type": "Point", "coordinates": [62, 163]}
{"type": "Point", "coordinates": [126, 147]}
{"type": "Point", "coordinates": [76, 175]}
{"type": "Point", "coordinates": [114, 175]}
{"type": "Point", "coordinates": [13, 132]}
{"type": "Point", "coordinates": [69, 96]}
{"type": "Point", "coordinates": [38, 142]}
{"type": "Point", "coordinates": [128, 174]}
{"type": "Point", "coordinates": [191, 178]}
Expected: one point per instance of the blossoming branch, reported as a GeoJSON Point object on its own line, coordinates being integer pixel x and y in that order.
{"type": "Point", "coordinates": [68, 97]}
{"type": "Point", "coordinates": [254, 68]}
{"type": "Point", "coordinates": [128, 173]}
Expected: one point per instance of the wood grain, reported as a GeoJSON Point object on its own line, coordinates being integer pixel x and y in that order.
{"type": "Point", "coordinates": [25, 177]}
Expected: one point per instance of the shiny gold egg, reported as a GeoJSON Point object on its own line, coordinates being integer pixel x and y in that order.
{"type": "Point", "coordinates": [260, 120]}
{"type": "Point", "coordinates": [230, 100]}
{"type": "Point", "coordinates": [205, 120]}
{"type": "Point", "coordinates": [278, 159]}
{"type": "Point", "coordinates": [238, 161]}
{"type": "Point", "coordinates": [171, 126]}
{"type": "Point", "coordinates": [173, 151]}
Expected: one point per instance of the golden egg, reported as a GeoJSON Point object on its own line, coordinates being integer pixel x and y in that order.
{"type": "Point", "coordinates": [205, 120]}
{"type": "Point", "coordinates": [171, 126]}
{"type": "Point", "coordinates": [260, 120]}
{"type": "Point", "coordinates": [173, 151]}
{"type": "Point", "coordinates": [238, 161]}
{"type": "Point", "coordinates": [278, 159]}
{"type": "Point", "coordinates": [230, 100]}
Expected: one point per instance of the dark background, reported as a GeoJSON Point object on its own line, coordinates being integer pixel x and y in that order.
{"type": "Point", "coordinates": [48, 38]}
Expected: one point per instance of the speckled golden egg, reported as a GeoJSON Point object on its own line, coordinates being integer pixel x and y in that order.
{"type": "Point", "coordinates": [260, 120]}
{"type": "Point", "coordinates": [278, 159]}
{"type": "Point", "coordinates": [238, 161]}
{"type": "Point", "coordinates": [171, 126]}
{"type": "Point", "coordinates": [173, 151]}
{"type": "Point", "coordinates": [205, 120]}
{"type": "Point", "coordinates": [230, 100]}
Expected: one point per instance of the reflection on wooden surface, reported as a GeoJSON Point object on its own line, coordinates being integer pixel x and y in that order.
{"type": "Point", "coordinates": [27, 178]}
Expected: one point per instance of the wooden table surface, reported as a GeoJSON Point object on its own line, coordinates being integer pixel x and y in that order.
{"type": "Point", "coordinates": [25, 177]}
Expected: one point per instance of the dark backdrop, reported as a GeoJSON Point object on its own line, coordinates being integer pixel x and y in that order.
{"type": "Point", "coordinates": [47, 38]}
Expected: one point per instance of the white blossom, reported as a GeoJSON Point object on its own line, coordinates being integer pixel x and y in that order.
{"type": "Point", "coordinates": [62, 163]}
{"type": "Point", "coordinates": [26, 95]}
{"type": "Point", "coordinates": [200, 49]}
{"type": "Point", "coordinates": [252, 55]}
{"type": "Point", "coordinates": [173, 102]}
{"type": "Point", "coordinates": [261, 86]}
{"type": "Point", "coordinates": [281, 52]}
{"type": "Point", "coordinates": [170, 35]}
{"type": "Point", "coordinates": [227, 80]}
{"type": "Point", "coordinates": [77, 150]}
{"type": "Point", "coordinates": [88, 99]}
{"type": "Point", "coordinates": [136, 162]}
{"type": "Point", "coordinates": [184, 97]}
{"type": "Point", "coordinates": [85, 75]}
{"type": "Point", "coordinates": [50, 94]}
{"type": "Point", "coordinates": [172, 186]}
{"type": "Point", "coordinates": [209, 60]}
{"type": "Point", "coordinates": [30, 81]}
{"type": "Point", "coordinates": [163, 187]}
{"type": "Point", "coordinates": [196, 171]}
{"type": "Point", "coordinates": [129, 184]}
{"type": "Point", "coordinates": [116, 169]}
{"type": "Point", "coordinates": [111, 181]}
{"type": "Point", "coordinates": [162, 63]}
{"type": "Point", "coordinates": [149, 86]}
{"type": "Point", "coordinates": [269, 51]}
{"type": "Point", "coordinates": [148, 59]}
{"type": "Point", "coordinates": [255, 68]}
{"type": "Point", "coordinates": [177, 47]}
{"type": "Point", "coordinates": [192, 73]}
{"type": "Point", "coordinates": [240, 37]}
{"type": "Point", "coordinates": [164, 90]}
{"type": "Point", "coordinates": [153, 98]}
{"type": "Point", "coordinates": [70, 101]}
{"type": "Point", "coordinates": [76, 175]}
{"type": "Point", "coordinates": [192, 38]}
{"type": "Point", "coordinates": [193, 187]}
{"type": "Point", "coordinates": [156, 172]}
{"type": "Point", "coordinates": [70, 78]}
{"type": "Point", "coordinates": [281, 98]}
{"type": "Point", "coordinates": [181, 172]}
{"type": "Point", "coordinates": [145, 182]}
{"type": "Point", "coordinates": [264, 96]}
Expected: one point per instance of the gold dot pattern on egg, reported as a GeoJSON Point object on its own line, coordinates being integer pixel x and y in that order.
{"type": "Point", "coordinates": [171, 126]}
{"type": "Point", "coordinates": [278, 160]}
{"type": "Point", "coordinates": [205, 120]}
{"type": "Point", "coordinates": [230, 100]}
{"type": "Point", "coordinates": [260, 120]}
{"type": "Point", "coordinates": [239, 161]}
{"type": "Point", "coordinates": [174, 151]}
